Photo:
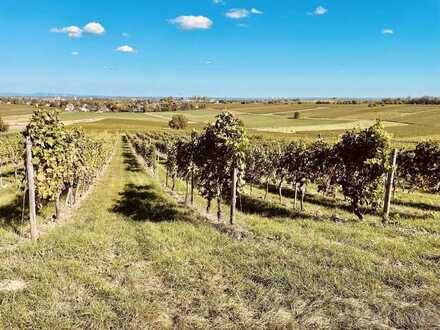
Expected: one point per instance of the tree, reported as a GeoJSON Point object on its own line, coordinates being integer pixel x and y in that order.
{"type": "Point", "coordinates": [3, 126]}
{"type": "Point", "coordinates": [178, 122]}
{"type": "Point", "coordinates": [362, 161]}
{"type": "Point", "coordinates": [297, 115]}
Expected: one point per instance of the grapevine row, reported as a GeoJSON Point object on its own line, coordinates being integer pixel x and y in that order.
{"type": "Point", "coordinates": [356, 166]}
{"type": "Point", "coordinates": [64, 160]}
{"type": "Point", "coordinates": [61, 161]}
{"type": "Point", "coordinates": [212, 162]}
{"type": "Point", "coordinates": [11, 155]}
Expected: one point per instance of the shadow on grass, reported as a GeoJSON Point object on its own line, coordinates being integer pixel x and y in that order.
{"type": "Point", "coordinates": [251, 205]}
{"type": "Point", "coordinates": [318, 200]}
{"type": "Point", "coordinates": [144, 203]}
{"type": "Point", "coordinates": [7, 173]}
{"type": "Point", "coordinates": [416, 205]}
{"type": "Point", "coordinates": [329, 203]}
{"type": "Point", "coordinates": [10, 215]}
{"type": "Point", "coordinates": [130, 161]}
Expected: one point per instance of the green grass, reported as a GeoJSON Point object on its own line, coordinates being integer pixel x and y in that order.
{"type": "Point", "coordinates": [132, 258]}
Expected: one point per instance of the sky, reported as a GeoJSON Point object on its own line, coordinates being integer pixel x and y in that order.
{"type": "Point", "coordinates": [221, 48]}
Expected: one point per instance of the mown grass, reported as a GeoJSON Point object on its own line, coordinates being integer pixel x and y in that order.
{"type": "Point", "coordinates": [364, 268]}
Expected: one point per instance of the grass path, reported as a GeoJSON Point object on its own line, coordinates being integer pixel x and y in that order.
{"type": "Point", "coordinates": [132, 258]}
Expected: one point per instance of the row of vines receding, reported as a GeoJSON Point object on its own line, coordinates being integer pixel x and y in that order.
{"type": "Point", "coordinates": [65, 161]}
{"type": "Point", "coordinates": [356, 166]}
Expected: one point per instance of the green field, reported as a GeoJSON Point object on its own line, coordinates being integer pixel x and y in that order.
{"type": "Point", "coordinates": [132, 257]}
{"type": "Point", "coordinates": [325, 120]}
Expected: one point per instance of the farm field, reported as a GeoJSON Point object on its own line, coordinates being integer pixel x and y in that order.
{"type": "Point", "coordinates": [132, 256]}
{"type": "Point", "coordinates": [325, 120]}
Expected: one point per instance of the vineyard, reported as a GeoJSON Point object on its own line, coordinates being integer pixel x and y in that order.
{"type": "Point", "coordinates": [340, 233]}
{"type": "Point", "coordinates": [50, 162]}
{"type": "Point", "coordinates": [357, 167]}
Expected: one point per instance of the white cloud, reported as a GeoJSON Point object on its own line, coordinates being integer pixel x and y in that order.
{"type": "Point", "coordinates": [125, 34]}
{"type": "Point", "coordinates": [237, 13]}
{"type": "Point", "coordinates": [255, 11]}
{"type": "Point", "coordinates": [320, 10]}
{"type": "Point", "coordinates": [125, 49]}
{"type": "Point", "coordinates": [75, 53]}
{"type": "Point", "coordinates": [387, 31]}
{"type": "Point", "coordinates": [208, 62]}
{"type": "Point", "coordinates": [94, 28]}
{"type": "Point", "coordinates": [72, 31]}
{"type": "Point", "coordinates": [192, 22]}
{"type": "Point", "coordinates": [218, 2]}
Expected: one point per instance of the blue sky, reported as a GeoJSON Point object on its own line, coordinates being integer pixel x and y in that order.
{"type": "Point", "coordinates": [237, 48]}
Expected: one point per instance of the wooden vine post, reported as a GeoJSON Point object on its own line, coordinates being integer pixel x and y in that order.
{"type": "Point", "coordinates": [31, 190]}
{"type": "Point", "coordinates": [296, 195]}
{"type": "Point", "coordinates": [389, 186]}
{"type": "Point", "coordinates": [1, 176]}
{"type": "Point", "coordinates": [234, 194]}
{"type": "Point", "coordinates": [187, 192]}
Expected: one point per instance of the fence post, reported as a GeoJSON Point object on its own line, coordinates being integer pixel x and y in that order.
{"type": "Point", "coordinates": [389, 187]}
{"type": "Point", "coordinates": [234, 194]}
{"type": "Point", "coordinates": [31, 189]}
{"type": "Point", "coordinates": [1, 176]}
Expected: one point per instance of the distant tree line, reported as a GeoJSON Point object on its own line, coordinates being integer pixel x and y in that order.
{"type": "Point", "coordinates": [425, 100]}
{"type": "Point", "coordinates": [110, 104]}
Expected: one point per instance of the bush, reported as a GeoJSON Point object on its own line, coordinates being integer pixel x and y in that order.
{"type": "Point", "coordinates": [3, 126]}
{"type": "Point", "coordinates": [178, 122]}
{"type": "Point", "coordinates": [297, 115]}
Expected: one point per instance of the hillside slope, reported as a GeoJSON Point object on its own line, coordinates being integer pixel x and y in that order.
{"type": "Point", "coordinates": [133, 258]}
